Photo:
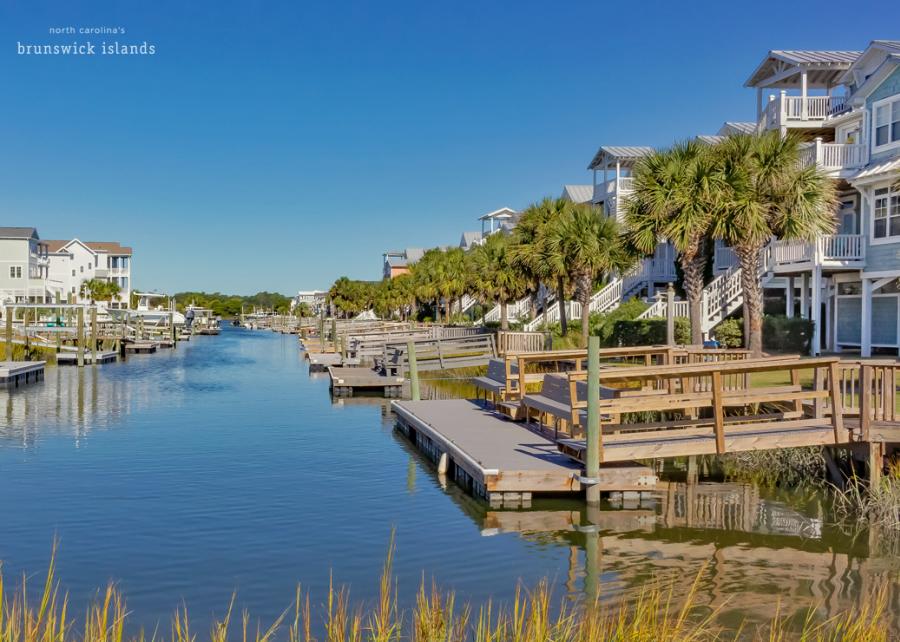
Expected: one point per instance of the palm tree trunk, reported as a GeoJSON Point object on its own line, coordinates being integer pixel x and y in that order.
{"type": "Point", "coordinates": [561, 301]}
{"type": "Point", "coordinates": [753, 298]}
{"type": "Point", "coordinates": [534, 299]}
{"type": "Point", "coordinates": [504, 318]}
{"type": "Point", "coordinates": [693, 266]}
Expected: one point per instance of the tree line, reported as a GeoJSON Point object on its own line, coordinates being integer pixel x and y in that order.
{"type": "Point", "coordinates": [229, 305]}
{"type": "Point", "coordinates": [743, 190]}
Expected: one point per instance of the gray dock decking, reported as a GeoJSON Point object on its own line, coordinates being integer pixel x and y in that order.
{"type": "Point", "coordinates": [16, 373]}
{"type": "Point", "coordinates": [493, 456]}
{"type": "Point", "coordinates": [344, 381]}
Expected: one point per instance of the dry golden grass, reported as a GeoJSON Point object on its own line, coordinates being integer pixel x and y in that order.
{"type": "Point", "coordinates": [655, 615]}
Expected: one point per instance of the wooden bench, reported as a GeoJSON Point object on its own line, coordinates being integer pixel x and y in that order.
{"type": "Point", "coordinates": [439, 354]}
{"type": "Point", "coordinates": [692, 400]}
{"type": "Point", "coordinates": [494, 382]}
{"type": "Point", "coordinates": [558, 400]}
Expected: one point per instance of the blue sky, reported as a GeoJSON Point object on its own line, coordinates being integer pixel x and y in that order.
{"type": "Point", "coordinates": [280, 144]}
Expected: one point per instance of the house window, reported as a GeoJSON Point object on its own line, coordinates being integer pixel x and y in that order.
{"type": "Point", "coordinates": [15, 271]}
{"type": "Point", "coordinates": [73, 272]}
{"type": "Point", "coordinates": [887, 122]}
{"type": "Point", "coordinates": [887, 213]}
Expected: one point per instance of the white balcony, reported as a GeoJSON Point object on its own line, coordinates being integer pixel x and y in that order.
{"type": "Point", "coordinates": [800, 111]}
{"type": "Point", "coordinates": [833, 250]}
{"type": "Point", "coordinates": [612, 193]}
{"type": "Point", "coordinates": [834, 158]}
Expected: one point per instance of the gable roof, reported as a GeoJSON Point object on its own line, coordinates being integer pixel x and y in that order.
{"type": "Point", "coordinates": [578, 193]}
{"type": "Point", "coordinates": [19, 233]}
{"type": "Point", "coordinates": [109, 247]}
{"type": "Point", "coordinates": [469, 239]}
{"type": "Point", "coordinates": [626, 153]}
{"type": "Point", "coordinates": [503, 212]}
{"type": "Point", "coordinates": [781, 68]}
{"type": "Point", "coordinates": [872, 67]}
{"type": "Point", "coordinates": [736, 127]}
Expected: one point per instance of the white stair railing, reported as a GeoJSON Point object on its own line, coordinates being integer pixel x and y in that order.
{"type": "Point", "coordinates": [514, 311]}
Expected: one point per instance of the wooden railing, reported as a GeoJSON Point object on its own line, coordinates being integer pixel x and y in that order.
{"type": "Point", "coordinates": [515, 342]}
{"type": "Point", "coordinates": [782, 109]}
{"type": "Point", "coordinates": [869, 391]}
{"type": "Point", "coordinates": [710, 406]}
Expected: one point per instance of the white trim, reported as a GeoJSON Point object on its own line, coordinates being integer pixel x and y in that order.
{"type": "Point", "coordinates": [870, 197]}
{"type": "Point", "coordinates": [877, 149]}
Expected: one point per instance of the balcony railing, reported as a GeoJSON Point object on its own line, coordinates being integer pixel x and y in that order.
{"type": "Point", "coordinates": [832, 247]}
{"type": "Point", "coordinates": [833, 156]}
{"type": "Point", "coordinates": [609, 190]}
{"type": "Point", "coordinates": [784, 110]}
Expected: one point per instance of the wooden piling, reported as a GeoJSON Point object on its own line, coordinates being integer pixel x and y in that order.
{"type": "Point", "coordinates": [9, 333]}
{"type": "Point", "coordinates": [94, 335]}
{"type": "Point", "coordinates": [413, 371]}
{"type": "Point", "coordinates": [25, 331]}
{"type": "Point", "coordinates": [670, 315]}
{"type": "Point", "coordinates": [80, 339]}
{"type": "Point", "coordinates": [592, 459]}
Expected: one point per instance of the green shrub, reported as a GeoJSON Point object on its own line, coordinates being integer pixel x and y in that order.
{"type": "Point", "coordinates": [783, 334]}
{"type": "Point", "coordinates": [730, 333]}
{"type": "Point", "coordinates": [646, 332]}
{"type": "Point", "coordinates": [603, 325]}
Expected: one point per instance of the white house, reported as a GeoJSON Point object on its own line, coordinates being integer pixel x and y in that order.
{"type": "Point", "coordinates": [315, 299]}
{"type": "Point", "coordinates": [74, 262]}
{"type": "Point", "coordinates": [24, 267]}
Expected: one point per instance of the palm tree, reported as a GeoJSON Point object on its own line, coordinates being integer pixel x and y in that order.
{"type": "Point", "coordinates": [590, 245]}
{"type": "Point", "coordinates": [454, 277]}
{"type": "Point", "coordinates": [534, 254]}
{"type": "Point", "coordinates": [495, 274]}
{"type": "Point", "coordinates": [100, 290]}
{"type": "Point", "coordinates": [769, 193]}
{"type": "Point", "coordinates": [675, 193]}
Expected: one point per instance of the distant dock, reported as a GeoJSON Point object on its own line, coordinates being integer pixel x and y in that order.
{"type": "Point", "coordinates": [14, 374]}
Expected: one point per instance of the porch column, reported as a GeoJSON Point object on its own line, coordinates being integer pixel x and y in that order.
{"type": "Point", "coordinates": [759, 102]}
{"type": "Point", "coordinates": [803, 110]}
{"type": "Point", "coordinates": [618, 174]}
{"type": "Point", "coordinates": [865, 348]}
{"type": "Point", "coordinates": [804, 296]}
{"type": "Point", "coordinates": [816, 300]}
{"type": "Point", "coordinates": [829, 316]}
{"type": "Point", "coordinates": [789, 311]}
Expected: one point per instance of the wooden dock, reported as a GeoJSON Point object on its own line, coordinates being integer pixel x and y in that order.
{"type": "Point", "coordinates": [498, 459]}
{"type": "Point", "coordinates": [71, 358]}
{"type": "Point", "coordinates": [18, 373]}
{"type": "Point", "coordinates": [321, 361]}
{"type": "Point", "coordinates": [345, 382]}
{"type": "Point", "coordinates": [140, 347]}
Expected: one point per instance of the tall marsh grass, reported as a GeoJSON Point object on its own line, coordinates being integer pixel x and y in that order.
{"type": "Point", "coordinates": [659, 613]}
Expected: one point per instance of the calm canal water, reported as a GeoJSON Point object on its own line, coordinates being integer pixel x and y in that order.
{"type": "Point", "coordinates": [223, 466]}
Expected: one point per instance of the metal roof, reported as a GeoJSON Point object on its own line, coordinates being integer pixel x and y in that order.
{"type": "Point", "coordinates": [619, 153]}
{"type": "Point", "coordinates": [737, 127]}
{"type": "Point", "coordinates": [710, 139]}
{"type": "Point", "coordinates": [578, 193]}
{"type": "Point", "coordinates": [469, 239]}
{"type": "Point", "coordinates": [876, 170]}
{"type": "Point", "coordinates": [18, 233]}
{"type": "Point", "coordinates": [503, 212]}
{"type": "Point", "coordinates": [823, 67]}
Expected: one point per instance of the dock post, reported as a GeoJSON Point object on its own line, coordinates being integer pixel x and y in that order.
{"type": "Point", "coordinates": [9, 332]}
{"type": "Point", "coordinates": [414, 371]}
{"type": "Point", "coordinates": [322, 334]}
{"type": "Point", "coordinates": [80, 340]}
{"type": "Point", "coordinates": [592, 460]}
{"type": "Point", "coordinates": [94, 335]}
{"type": "Point", "coordinates": [334, 333]}
{"type": "Point", "coordinates": [174, 331]}
{"type": "Point", "coordinates": [670, 315]}
{"type": "Point", "coordinates": [25, 332]}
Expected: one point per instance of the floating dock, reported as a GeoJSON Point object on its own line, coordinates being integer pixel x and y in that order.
{"type": "Point", "coordinates": [321, 361]}
{"type": "Point", "coordinates": [71, 358]}
{"type": "Point", "coordinates": [18, 373]}
{"type": "Point", "coordinates": [499, 460]}
{"type": "Point", "coordinates": [347, 381]}
{"type": "Point", "coordinates": [141, 347]}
